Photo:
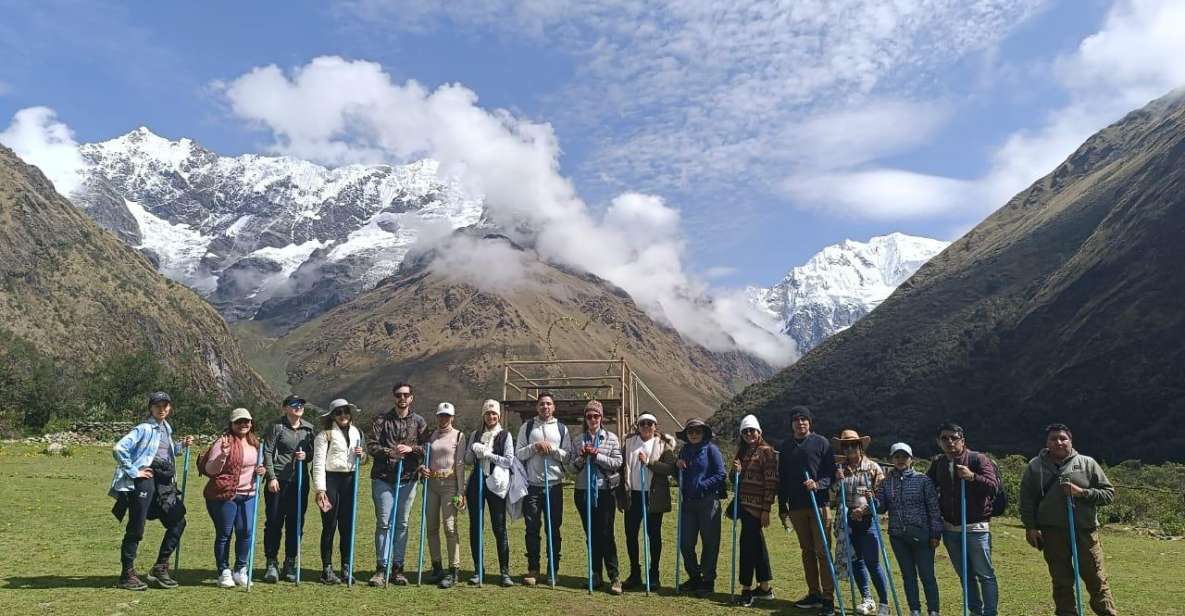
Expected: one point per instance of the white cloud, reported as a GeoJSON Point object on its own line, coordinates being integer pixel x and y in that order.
{"type": "Point", "coordinates": [36, 135]}
{"type": "Point", "coordinates": [337, 111]}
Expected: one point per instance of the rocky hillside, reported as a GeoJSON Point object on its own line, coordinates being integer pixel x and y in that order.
{"type": "Point", "coordinates": [78, 294]}
{"type": "Point", "coordinates": [1064, 305]}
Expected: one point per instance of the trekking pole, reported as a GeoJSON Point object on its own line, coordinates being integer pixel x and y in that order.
{"type": "Point", "coordinates": [876, 523]}
{"type": "Point", "coordinates": [645, 531]}
{"type": "Point", "coordinates": [353, 519]}
{"type": "Point", "coordinates": [481, 524]}
{"type": "Point", "coordinates": [184, 482]}
{"type": "Point", "coordinates": [826, 546]}
{"type": "Point", "coordinates": [679, 531]}
{"type": "Point", "coordinates": [736, 499]}
{"type": "Point", "coordinates": [588, 513]}
{"type": "Point", "coordinates": [547, 504]}
{"type": "Point", "coordinates": [299, 512]}
{"type": "Point", "coordinates": [1074, 553]}
{"type": "Point", "coordinates": [963, 540]}
{"type": "Point", "coordinates": [254, 524]}
{"type": "Point", "coordinates": [423, 515]}
{"type": "Point", "coordinates": [847, 540]}
{"type": "Point", "coordinates": [391, 521]}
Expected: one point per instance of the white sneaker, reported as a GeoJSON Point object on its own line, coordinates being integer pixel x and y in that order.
{"type": "Point", "coordinates": [225, 580]}
{"type": "Point", "coordinates": [934, 613]}
{"type": "Point", "coordinates": [915, 613]}
{"type": "Point", "coordinates": [867, 607]}
{"type": "Point", "coordinates": [240, 576]}
{"type": "Point", "coordinates": [883, 610]}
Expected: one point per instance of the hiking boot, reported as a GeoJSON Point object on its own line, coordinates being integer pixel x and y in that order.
{"type": "Point", "coordinates": [448, 579]}
{"type": "Point", "coordinates": [615, 587]}
{"type": "Point", "coordinates": [633, 581]}
{"type": "Point", "coordinates": [347, 576]}
{"type": "Point", "coordinates": [289, 570]}
{"type": "Point", "coordinates": [867, 607]}
{"type": "Point", "coordinates": [475, 579]}
{"type": "Point", "coordinates": [883, 610]}
{"type": "Point", "coordinates": [705, 589]}
{"type": "Point", "coordinates": [130, 581]}
{"type": "Point", "coordinates": [272, 575]}
{"type": "Point", "coordinates": [745, 599]}
{"type": "Point", "coordinates": [531, 578]}
{"type": "Point", "coordinates": [397, 577]}
{"type": "Point", "coordinates": [380, 576]}
{"type": "Point", "coordinates": [762, 595]}
{"type": "Point", "coordinates": [225, 579]}
{"type": "Point", "coordinates": [690, 584]}
{"type": "Point", "coordinates": [810, 601]}
{"type": "Point", "coordinates": [827, 609]}
{"type": "Point", "coordinates": [328, 576]}
{"type": "Point", "coordinates": [159, 574]}
{"type": "Point", "coordinates": [507, 581]}
{"type": "Point", "coordinates": [436, 575]}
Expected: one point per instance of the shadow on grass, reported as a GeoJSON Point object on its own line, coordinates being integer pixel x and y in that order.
{"type": "Point", "coordinates": [44, 582]}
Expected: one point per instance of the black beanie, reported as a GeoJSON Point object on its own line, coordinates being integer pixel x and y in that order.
{"type": "Point", "coordinates": [801, 411]}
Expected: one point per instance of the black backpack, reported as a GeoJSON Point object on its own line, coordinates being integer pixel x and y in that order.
{"type": "Point", "coordinates": [1000, 500]}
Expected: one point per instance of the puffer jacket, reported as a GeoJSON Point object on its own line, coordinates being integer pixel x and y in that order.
{"type": "Point", "coordinates": [1042, 503]}
{"type": "Point", "coordinates": [661, 465]}
{"type": "Point", "coordinates": [331, 453]}
{"type": "Point", "coordinates": [606, 463]}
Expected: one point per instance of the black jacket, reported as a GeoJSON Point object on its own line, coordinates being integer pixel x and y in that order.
{"type": "Point", "coordinates": [815, 455]}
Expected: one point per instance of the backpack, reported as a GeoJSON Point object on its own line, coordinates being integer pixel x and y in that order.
{"type": "Point", "coordinates": [563, 437]}
{"type": "Point", "coordinates": [1000, 499]}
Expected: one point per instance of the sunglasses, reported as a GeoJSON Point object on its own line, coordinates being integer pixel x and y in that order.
{"type": "Point", "coordinates": [296, 405]}
{"type": "Point", "coordinates": [242, 421]}
{"type": "Point", "coordinates": [592, 416]}
{"type": "Point", "coordinates": [400, 394]}
{"type": "Point", "coordinates": [646, 423]}
{"type": "Point", "coordinates": [341, 411]}
{"type": "Point", "coordinates": [749, 431]}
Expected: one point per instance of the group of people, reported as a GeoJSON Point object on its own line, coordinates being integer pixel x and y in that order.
{"type": "Point", "coordinates": [521, 476]}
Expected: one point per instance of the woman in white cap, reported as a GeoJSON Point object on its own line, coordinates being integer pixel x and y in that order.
{"type": "Point", "coordinates": [915, 526]}
{"type": "Point", "coordinates": [646, 451]}
{"type": "Point", "coordinates": [232, 464]}
{"type": "Point", "coordinates": [492, 454]}
{"type": "Point", "coordinates": [861, 477]}
{"type": "Point", "coordinates": [445, 473]}
{"type": "Point", "coordinates": [757, 463]}
{"type": "Point", "coordinates": [337, 448]}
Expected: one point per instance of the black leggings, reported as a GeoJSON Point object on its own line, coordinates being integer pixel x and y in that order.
{"type": "Point", "coordinates": [754, 556]}
{"type": "Point", "coordinates": [633, 527]}
{"type": "Point", "coordinates": [339, 487]}
{"type": "Point", "coordinates": [497, 507]}
{"type": "Point", "coordinates": [604, 541]}
{"type": "Point", "coordinates": [139, 501]}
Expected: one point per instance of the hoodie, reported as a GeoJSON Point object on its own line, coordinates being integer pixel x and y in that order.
{"type": "Point", "coordinates": [704, 475]}
{"type": "Point", "coordinates": [1042, 503]}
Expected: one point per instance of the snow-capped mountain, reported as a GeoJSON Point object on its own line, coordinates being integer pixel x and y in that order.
{"type": "Point", "coordinates": [262, 235]}
{"type": "Point", "coordinates": [841, 284]}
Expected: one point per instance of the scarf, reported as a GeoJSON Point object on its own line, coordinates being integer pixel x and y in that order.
{"type": "Point", "coordinates": [595, 473]}
{"type": "Point", "coordinates": [487, 439]}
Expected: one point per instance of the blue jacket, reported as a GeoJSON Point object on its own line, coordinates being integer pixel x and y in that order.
{"type": "Point", "coordinates": [704, 475]}
{"type": "Point", "coordinates": [135, 451]}
{"type": "Point", "coordinates": [910, 499]}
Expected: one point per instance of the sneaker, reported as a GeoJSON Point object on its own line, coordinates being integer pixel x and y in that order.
{"type": "Point", "coordinates": [507, 582]}
{"type": "Point", "coordinates": [827, 609]}
{"type": "Point", "coordinates": [915, 613]}
{"type": "Point", "coordinates": [474, 579]}
{"type": "Point", "coordinates": [867, 607]}
{"type": "Point", "coordinates": [436, 575]}
{"type": "Point", "coordinates": [615, 587]}
{"type": "Point", "coordinates": [745, 599]}
{"type": "Point", "coordinates": [705, 589]}
{"type": "Point", "coordinates": [240, 577]}
{"type": "Point", "coordinates": [272, 575]}
{"type": "Point", "coordinates": [347, 576]}
{"type": "Point", "coordinates": [289, 572]}
{"type": "Point", "coordinates": [159, 574]}
{"type": "Point", "coordinates": [130, 581]}
{"type": "Point", "coordinates": [225, 579]}
{"type": "Point", "coordinates": [759, 594]}
{"type": "Point", "coordinates": [448, 579]}
{"type": "Point", "coordinates": [328, 576]}
{"type": "Point", "coordinates": [397, 576]}
{"type": "Point", "coordinates": [810, 601]}
{"type": "Point", "coordinates": [379, 578]}
{"type": "Point", "coordinates": [933, 612]}
{"type": "Point", "coordinates": [531, 578]}
{"type": "Point", "coordinates": [883, 610]}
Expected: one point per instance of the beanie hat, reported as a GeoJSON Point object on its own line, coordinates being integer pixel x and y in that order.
{"type": "Point", "coordinates": [801, 411]}
{"type": "Point", "coordinates": [750, 421]}
{"type": "Point", "coordinates": [491, 406]}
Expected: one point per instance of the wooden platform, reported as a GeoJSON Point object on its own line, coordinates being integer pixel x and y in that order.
{"type": "Point", "coordinates": [567, 411]}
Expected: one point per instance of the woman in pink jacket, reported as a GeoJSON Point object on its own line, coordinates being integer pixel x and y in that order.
{"type": "Point", "coordinates": [232, 464]}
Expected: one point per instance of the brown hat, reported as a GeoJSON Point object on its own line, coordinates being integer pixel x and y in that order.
{"type": "Point", "coordinates": [850, 436]}
{"type": "Point", "coordinates": [695, 423]}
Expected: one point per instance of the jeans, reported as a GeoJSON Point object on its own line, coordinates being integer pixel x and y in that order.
{"type": "Point", "coordinates": [496, 505]}
{"type": "Point", "coordinates": [916, 560]}
{"type": "Point", "coordinates": [534, 515]}
{"type": "Point", "coordinates": [701, 521]}
{"type": "Point", "coordinates": [281, 511]}
{"type": "Point", "coordinates": [232, 516]}
{"type": "Point", "coordinates": [633, 524]}
{"type": "Point", "coordinates": [383, 495]}
{"type": "Point", "coordinates": [866, 558]}
{"type": "Point", "coordinates": [982, 591]}
{"type": "Point", "coordinates": [339, 488]}
{"type": "Point", "coordinates": [139, 501]}
{"type": "Point", "coordinates": [604, 540]}
{"type": "Point", "coordinates": [754, 555]}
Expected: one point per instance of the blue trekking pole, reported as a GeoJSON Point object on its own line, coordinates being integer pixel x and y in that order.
{"type": "Point", "coordinates": [736, 499]}
{"type": "Point", "coordinates": [826, 546]}
{"type": "Point", "coordinates": [645, 531]}
{"type": "Point", "coordinates": [299, 512]}
{"type": "Point", "coordinates": [679, 532]}
{"type": "Point", "coordinates": [353, 519]}
{"type": "Point", "coordinates": [254, 523]}
{"type": "Point", "coordinates": [963, 539]}
{"type": "Point", "coordinates": [547, 503]}
{"type": "Point", "coordinates": [588, 513]}
{"type": "Point", "coordinates": [847, 540]}
{"type": "Point", "coordinates": [391, 521]}
{"type": "Point", "coordinates": [481, 524]}
{"type": "Point", "coordinates": [423, 514]}
{"type": "Point", "coordinates": [876, 523]}
{"type": "Point", "coordinates": [184, 482]}
{"type": "Point", "coordinates": [1074, 553]}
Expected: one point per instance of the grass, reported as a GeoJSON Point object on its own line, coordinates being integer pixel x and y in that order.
{"type": "Point", "coordinates": [59, 555]}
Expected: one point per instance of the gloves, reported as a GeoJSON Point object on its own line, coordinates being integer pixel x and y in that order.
{"type": "Point", "coordinates": [480, 450]}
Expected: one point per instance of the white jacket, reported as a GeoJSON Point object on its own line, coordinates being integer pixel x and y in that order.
{"type": "Point", "coordinates": [331, 453]}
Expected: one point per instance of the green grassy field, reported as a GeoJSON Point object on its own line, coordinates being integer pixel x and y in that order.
{"type": "Point", "coordinates": [59, 555]}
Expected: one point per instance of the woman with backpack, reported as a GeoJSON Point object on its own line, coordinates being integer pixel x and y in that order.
{"type": "Point", "coordinates": [338, 450]}
{"type": "Point", "coordinates": [861, 477]}
{"type": "Point", "coordinates": [757, 464]}
{"type": "Point", "coordinates": [143, 489]}
{"type": "Point", "coordinates": [492, 456]}
{"type": "Point", "coordinates": [445, 473]}
{"type": "Point", "coordinates": [915, 526]}
{"type": "Point", "coordinates": [232, 463]}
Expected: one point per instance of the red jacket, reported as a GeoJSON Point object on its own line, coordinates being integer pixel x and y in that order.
{"type": "Point", "coordinates": [981, 491]}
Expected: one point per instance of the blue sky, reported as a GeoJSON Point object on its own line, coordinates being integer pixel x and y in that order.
{"type": "Point", "coordinates": [773, 131]}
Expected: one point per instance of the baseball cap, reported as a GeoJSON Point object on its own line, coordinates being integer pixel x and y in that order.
{"type": "Point", "coordinates": [293, 398]}
{"type": "Point", "coordinates": [239, 413]}
{"type": "Point", "coordinates": [900, 447]}
{"type": "Point", "coordinates": [158, 397]}
{"type": "Point", "coordinates": [445, 408]}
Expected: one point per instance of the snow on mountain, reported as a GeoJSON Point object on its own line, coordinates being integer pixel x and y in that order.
{"type": "Point", "coordinates": [248, 230]}
{"type": "Point", "coordinates": [842, 283]}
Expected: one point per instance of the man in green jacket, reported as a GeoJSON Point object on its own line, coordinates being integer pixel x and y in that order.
{"type": "Point", "coordinates": [1056, 473]}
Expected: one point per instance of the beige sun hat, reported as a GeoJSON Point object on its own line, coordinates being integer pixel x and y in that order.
{"type": "Point", "coordinates": [850, 436]}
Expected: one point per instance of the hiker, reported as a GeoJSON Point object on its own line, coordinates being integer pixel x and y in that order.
{"type": "Point", "coordinates": [395, 435]}
{"type": "Point", "coordinates": [445, 489]}
{"type": "Point", "coordinates": [543, 445]}
{"type": "Point", "coordinates": [1057, 473]}
{"type": "Point", "coordinates": [703, 487]}
{"type": "Point", "coordinates": [957, 464]}
{"type": "Point", "coordinates": [336, 452]}
{"type": "Point", "coordinates": [604, 450]}
{"type": "Point", "coordinates": [646, 451]}
{"type": "Point", "coordinates": [757, 464]}
{"type": "Point", "coordinates": [861, 476]}
{"type": "Point", "coordinates": [232, 464]}
{"type": "Point", "coordinates": [144, 489]}
{"type": "Point", "coordinates": [915, 526]}
{"type": "Point", "coordinates": [491, 452]}
{"type": "Point", "coordinates": [287, 439]}
{"type": "Point", "coordinates": [807, 451]}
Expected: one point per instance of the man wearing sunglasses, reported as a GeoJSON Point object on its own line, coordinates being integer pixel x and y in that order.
{"type": "Point", "coordinates": [395, 435]}
{"type": "Point", "coordinates": [286, 440]}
